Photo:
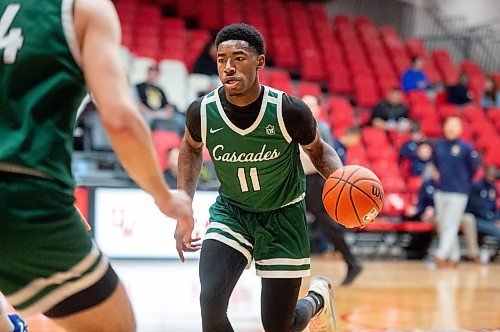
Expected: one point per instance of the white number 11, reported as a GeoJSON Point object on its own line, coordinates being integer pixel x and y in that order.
{"type": "Point", "coordinates": [13, 41]}
{"type": "Point", "coordinates": [243, 179]}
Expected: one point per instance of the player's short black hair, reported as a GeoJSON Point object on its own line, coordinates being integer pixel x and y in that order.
{"type": "Point", "coordinates": [245, 32]}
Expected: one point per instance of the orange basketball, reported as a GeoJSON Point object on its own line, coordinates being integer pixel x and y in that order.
{"type": "Point", "coordinates": [353, 196]}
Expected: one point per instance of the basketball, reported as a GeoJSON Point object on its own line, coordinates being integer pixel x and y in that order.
{"type": "Point", "coordinates": [353, 196]}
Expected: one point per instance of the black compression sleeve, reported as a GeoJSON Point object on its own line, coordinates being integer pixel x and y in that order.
{"type": "Point", "coordinates": [193, 121]}
{"type": "Point", "coordinates": [299, 120]}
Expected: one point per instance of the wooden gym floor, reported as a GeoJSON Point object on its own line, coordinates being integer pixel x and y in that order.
{"type": "Point", "coordinates": [387, 295]}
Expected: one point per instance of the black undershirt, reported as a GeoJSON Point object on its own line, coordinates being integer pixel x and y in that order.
{"type": "Point", "coordinates": [299, 121]}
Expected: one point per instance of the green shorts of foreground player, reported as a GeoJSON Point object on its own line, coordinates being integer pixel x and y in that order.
{"type": "Point", "coordinates": [46, 253]}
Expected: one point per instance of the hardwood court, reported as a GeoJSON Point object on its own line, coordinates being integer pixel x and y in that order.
{"type": "Point", "coordinates": [388, 295]}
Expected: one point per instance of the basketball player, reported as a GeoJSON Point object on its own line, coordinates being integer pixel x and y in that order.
{"type": "Point", "coordinates": [253, 134]}
{"type": "Point", "coordinates": [49, 49]}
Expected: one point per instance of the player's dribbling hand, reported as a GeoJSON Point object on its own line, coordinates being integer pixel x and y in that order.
{"type": "Point", "coordinates": [183, 240]}
{"type": "Point", "coordinates": [179, 207]}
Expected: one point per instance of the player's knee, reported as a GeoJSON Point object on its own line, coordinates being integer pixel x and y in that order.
{"type": "Point", "coordinates": [213, 303]}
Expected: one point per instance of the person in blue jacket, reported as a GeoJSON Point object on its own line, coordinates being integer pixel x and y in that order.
{"type": "Point", "coordinates": [456, 162]}
{"type": "Point", "coordinates": [414, 78]}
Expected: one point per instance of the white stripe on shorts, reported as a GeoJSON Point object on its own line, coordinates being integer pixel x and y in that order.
{"type": "Point", "coordinates": [37, 285]}
{"type": "Point", "coordinates": [228, 230]}
{"type": "Point", "coordinates": [61, 293]}
{"type": "Point", "coordinates": [283, 274]}
{"type": "Point", "coordinates": [233, 244]}
{"type": "Point", "coordinates": [284, 261]}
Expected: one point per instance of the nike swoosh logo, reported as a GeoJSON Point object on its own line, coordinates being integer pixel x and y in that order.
{"type": "Point", "coordinates": [213, 131]}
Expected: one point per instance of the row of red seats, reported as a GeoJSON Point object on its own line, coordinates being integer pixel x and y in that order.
{"type": "Point", "coordinates": [368, 63]}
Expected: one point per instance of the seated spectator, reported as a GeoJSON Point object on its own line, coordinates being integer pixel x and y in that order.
{"type": "Point", "coordinates": [418, 162]}
{"type": "Point", "coordinates": [206, 63]}
{"type": "Point", "coordinates": [171, 172]}
{"type": "Point", "coordinates": [154, 105]}
{"type": "Point", "coordinates": [459, 93]}
{"type": "Point", "coordinates": [482, 204]}
{"type": "Point", "coordinates": [409, 148]}
{"type": "Point", "coordinates": [351, 137]}
{"type": "Point", "coordinates": [491, 97]}
{"type": "Point", "coordinates": [151, 97]}
{"type": "Point", "coordinates": [391, 113]}
{"type": "Point", "coordinates": [425, 206]}
{"type": "Point", "coordinates": [414, 78]}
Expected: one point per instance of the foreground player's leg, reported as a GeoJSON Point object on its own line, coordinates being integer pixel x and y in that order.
{"type": "Point", "coordinates": [11, 323]}
{"type": "Point", "coordinates": [5, 323]}
{"type": "Point", "coordinates": [113, 315]}
{"type": "Point", "coordinates": [220, 268]}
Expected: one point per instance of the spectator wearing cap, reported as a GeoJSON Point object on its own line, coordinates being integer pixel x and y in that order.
{"type": "Point", "coordinates": [456, 163]}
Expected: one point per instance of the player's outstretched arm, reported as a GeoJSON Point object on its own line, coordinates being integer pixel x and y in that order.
{"type": "Point", "coordinates": [323, 156]}
{"type": "Point", "coordinates": [190, 162]}
{"type": "Point", "coordinates": [98, 32]}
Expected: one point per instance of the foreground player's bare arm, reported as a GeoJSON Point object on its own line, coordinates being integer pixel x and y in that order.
{"type": "Point", "coordinates": [323, 156]}
{"type": "Point", "coordinates": [190, 162]}
{"type": "Point", "coordinates": [98, 32]}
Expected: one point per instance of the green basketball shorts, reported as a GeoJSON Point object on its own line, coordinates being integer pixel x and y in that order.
{"type": "Point", "coordinates": [277, 240]}
{"type": "Point", "coordinates": [46, 255]}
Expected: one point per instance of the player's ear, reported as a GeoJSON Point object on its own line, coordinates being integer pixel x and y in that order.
{"type": "Point", "coordinates": [261, 61]}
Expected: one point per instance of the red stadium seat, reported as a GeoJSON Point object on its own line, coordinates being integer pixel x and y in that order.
{"type": "Point", "coordinates": [393, 184]}
{"type": "Point", "coordinates": [431, 126]}
{"type": "Point", "coordinates": [448, 110]}
{"type": "Point", "coordinates": [374, 136]}
{"type": "Point", "coordinates": [415, 46]}
{"type": "Point", "coordinates": [309, 88]}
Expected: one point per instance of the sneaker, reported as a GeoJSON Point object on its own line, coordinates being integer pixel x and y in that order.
{"type": "Point", "coordinates": [19, 324]}
{"type": "Point", "coordinates": [324, 320]}
{"type": "Point", "coordinates": [352, 272]}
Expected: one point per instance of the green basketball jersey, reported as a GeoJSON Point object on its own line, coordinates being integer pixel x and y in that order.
{"type": "Point", "coordinates": [41, 86]}
{"type": "Point", "coordinates": [259, 167]}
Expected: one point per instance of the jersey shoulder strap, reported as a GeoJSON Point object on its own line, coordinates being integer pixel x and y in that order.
{"type": "Point", "coordinates": [276, 96]}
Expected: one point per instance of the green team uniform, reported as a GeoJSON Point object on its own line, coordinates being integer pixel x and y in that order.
{"type": "Point", "coordinates": [46, 254]}
{"type": "Point", "coordinates": [260, 210]}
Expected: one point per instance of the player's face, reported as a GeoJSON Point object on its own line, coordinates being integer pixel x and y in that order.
{"type": "Point", "coordinates": [237, 64]}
